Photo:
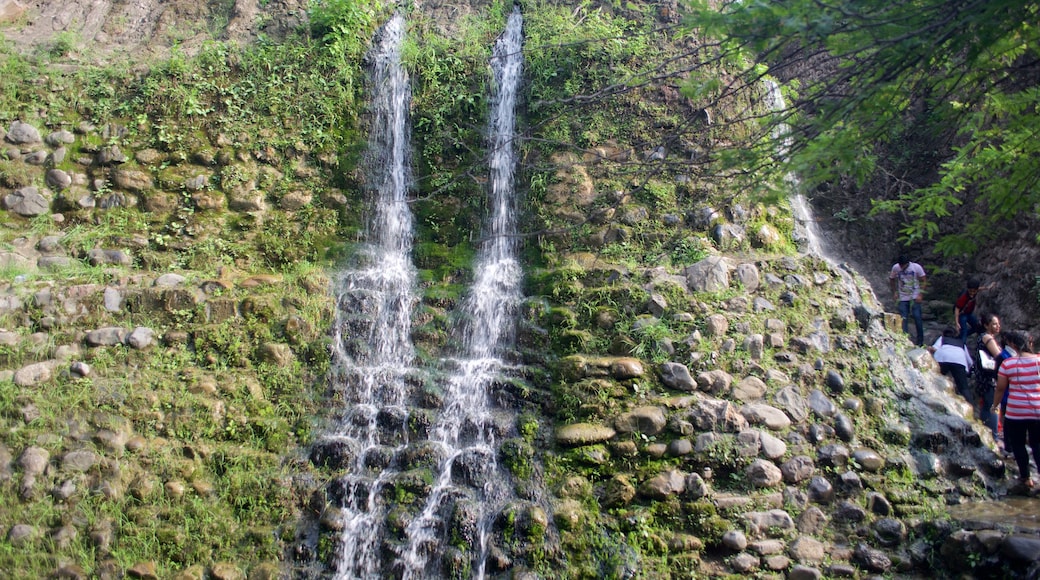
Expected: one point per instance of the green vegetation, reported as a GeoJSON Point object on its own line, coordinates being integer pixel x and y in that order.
{"type": "Point", "coordinates": [942, 83]}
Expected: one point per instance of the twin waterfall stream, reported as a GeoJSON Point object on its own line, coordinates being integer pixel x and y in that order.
{"type": "Point", "coordinates": [374, 359]}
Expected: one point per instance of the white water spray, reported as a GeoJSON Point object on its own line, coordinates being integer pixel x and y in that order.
{"type": "Point", "coordinates": [372, 348]}
{"type": "Point", "coordinates": [465, 429]}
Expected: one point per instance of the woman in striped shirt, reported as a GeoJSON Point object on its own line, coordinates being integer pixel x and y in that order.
{"type": "Point", "coordinates": [1020, 376]}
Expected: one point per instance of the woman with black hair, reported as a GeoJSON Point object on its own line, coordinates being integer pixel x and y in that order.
{"type": "Point", "coordinates": [1020, 377]}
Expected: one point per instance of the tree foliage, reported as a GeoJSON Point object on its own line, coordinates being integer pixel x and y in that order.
{"type": "Point", "coordinates": [883, 87]}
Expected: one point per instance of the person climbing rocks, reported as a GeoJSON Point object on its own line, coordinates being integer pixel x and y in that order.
{"type": "Point", "coordinates": [907, 282]}
{"type": "Point", "coordinates": [964, 311]}
{"type": "Point", "coordinates": [987, 357]}
{"type": "Point", "coordinates": [954, 360]}
{"type": "Point", "coordinates": [1019, 376]}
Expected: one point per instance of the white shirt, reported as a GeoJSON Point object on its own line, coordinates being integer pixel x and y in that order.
{"type": "Point", "coordinates": [950, 353]}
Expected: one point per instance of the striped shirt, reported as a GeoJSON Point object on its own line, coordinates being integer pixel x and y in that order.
{"type": "Point", "coordinates": [1023, 376]}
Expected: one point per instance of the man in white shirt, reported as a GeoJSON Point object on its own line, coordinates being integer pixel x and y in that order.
{"type": "Point", "coordinates": [907, 282]}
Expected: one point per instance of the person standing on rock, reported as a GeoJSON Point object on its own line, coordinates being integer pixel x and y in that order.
{"type": "Point", "coordinates": [1019, 376]}
{"type": "Point", "coordinates": [987, 356]}
{"type": "Point", "coordinates": [964, 311]}
{"type": "Point", "coordinates": [907, 282]}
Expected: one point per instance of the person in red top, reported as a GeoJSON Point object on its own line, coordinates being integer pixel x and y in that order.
{"type": "Point", "coordinates": [964, 311]}
{"type": "Point", "coordinates": [1020, 376]}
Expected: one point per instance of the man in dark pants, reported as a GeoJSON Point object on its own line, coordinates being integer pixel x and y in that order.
{"type": "Point", "coordinates": [907, 282]}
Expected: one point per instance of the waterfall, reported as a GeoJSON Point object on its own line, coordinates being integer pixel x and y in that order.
{"type": "Point", "coordinates": [805, 224]}
{"type": "Point", "coordinates": [372, 350]}
{"type": "Point", "coordinates": [466, 429]}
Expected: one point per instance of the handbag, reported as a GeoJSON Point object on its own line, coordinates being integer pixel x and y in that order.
{"type": "Point", "coordinates": [986, 360]}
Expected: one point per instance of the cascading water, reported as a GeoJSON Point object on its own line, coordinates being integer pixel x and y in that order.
{"type": "Point", "coordinates": [373, 352]}
{"type": "Point", "coordinates": [799, 205]}
{"type": "Point", "coordinates": [466, 429]}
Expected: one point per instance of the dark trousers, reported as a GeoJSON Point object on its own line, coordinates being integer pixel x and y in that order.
{"type": "Point", "coordinates": [1017, 434]}
{"type": "Point", "coordinates": [908, 309]}
{"type": "Point", "coordinates": [960, 378]}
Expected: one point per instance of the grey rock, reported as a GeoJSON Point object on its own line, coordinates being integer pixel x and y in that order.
{"type": "Point", "coordinates": [677, 376]}
{"type": "Point", "coordinates": [807, 549]}
{"type": "Point", "coordinates": [744, 562]}
{"type": "Point", "coordinates": [618, 492]}
{"type": "Point", "coordinates": [747, 275]}
{"type": "Point", "coordinates": [763, 474]}
{"type": "Point", "coordinates": [584, 434]}
{"type": "Point", "coordinates": [34, 460]}
{"type": "Point", "coordinates": [64, 491]}
{"type": "Point", "coordinates": [680, 447]}
{"type": "Point", "coordinates": [801, 572]}
{"type": "Point", "coordinates": [850, 485]}
{"type": "Point", "coordinates": [792, 402]}
{"type": "Point", "coordinates": [645, 420]}
{"type": "Point", "coordinates": [696, 487]}
{"type": "Point", "coordinates": [21, 534]}
{"type": "Point", "coordinates": [114, 299]}
{"type": "Point", "coordinates": [878, 504]}
{"type": "Point", "coordinates": [57, 179]}
{"type": "Point", "coordinates": [133, 180]}
{"type": "Point", "coordinates": [108, 336]}
{"type": "Point", "coordinates": [169, 280]}
{"type": "Point", "coordinates": [141, 338]}
{"type": "Point", "coordinates": [709, 275]}
{"type": "Point", "coordinates": [812, 521]}
{"type": "Point", "coordinates": [715, 415]}
{"type": "Point", "coordinates": [59, 138]}
{"type": "Point", "coordinates": [872, 559]}
{"type": "Point", "coordinates": [50, 245]}
{"type": "Point", "coordinates": [821, 404]}
{"type": "Point", "coordinates": [99, 257]}
{"type": "Point", "coordinates": [771, 417]}
{"type": "Point", "coordinates": [772, 448]}
{"type": "Point", "coordinates": [798, 469]}
{"type": "Point", "coordinates": [80, 460]}
{"type": "Point", "coordinates": [27, 202]}
{"type": "Point", "coordinates": [868, 459]}
{"type": "Point", "coordinates": [735, 540]}
{"type": "Point", "coordinates": [21, 133]}
{"type": "Point", "coordinates": [849, 512]}
{"type": "Point", "coordinates": [716, 325]}
{"type": "Point", "coordinates": [890, 532]}
{"type": "Point", "coordinates": [835, 382]}
{"type": "Point", "coordinates": [715, 382]}
{"type": "Point", "coordinates": [626, 368]}
{"type": "Point", "coordinates": [35, 158]}
{"type": "Point", "coordinates": [110, 155]}
{"type": "Point", "coordinates": [833, 455]}
{"type": "Point", "coordinates": [776, 520]}
{"type": "Point", "coordinates": [35, 374]}
{"type": "Point", "coordinates": [664, 485]}
{"type": "Point", "coordinates": [820, 490]}
{"type": "Point", "coordinates": [766, 547]}
{"type": "Point", "coordinates": [844, 428]}
{"type": "Point", "coordinates": [749, 389]}
{"type": "Point", "coordinates": [53, 263]}
{"type": "Point", "coordinates": [1021, 547]}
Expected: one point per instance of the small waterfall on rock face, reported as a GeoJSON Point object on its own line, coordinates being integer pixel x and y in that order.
{"type": "Point", "coordinates": [804, 221]}
{"type": "Point", "coordinates": [372, 348]}
{"type": "Point", "coordinates": [465, 429]}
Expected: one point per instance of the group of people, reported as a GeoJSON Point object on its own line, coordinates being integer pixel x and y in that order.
{"type": "Point", "coordinates": [1003, 366]}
